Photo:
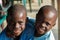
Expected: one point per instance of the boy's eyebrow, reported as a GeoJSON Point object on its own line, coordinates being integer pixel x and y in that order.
{"type": "Point", "coordinates": [48, 23]}
{"type": "Point", "coordinates": [20, 21]}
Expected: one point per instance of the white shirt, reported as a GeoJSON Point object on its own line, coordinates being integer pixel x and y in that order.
{"type": "Point", "coordinates": [47, 36]}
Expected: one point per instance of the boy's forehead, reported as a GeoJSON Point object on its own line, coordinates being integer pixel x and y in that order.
{"type": "Point", "coordinates": [21, 14]}
{"type": "Point", "coordinates": [18, 15]}
{"type": "Point", "coordinates": [49, 14]}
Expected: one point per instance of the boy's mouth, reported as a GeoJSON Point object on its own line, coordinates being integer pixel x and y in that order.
{"type": "Point", "coordinates": [41, 30]}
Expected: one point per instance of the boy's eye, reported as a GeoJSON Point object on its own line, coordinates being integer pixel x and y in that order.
{"type": "Point", "coordinates": [20, 22]}
{"type": "Point", "coordinates": [47, 23]}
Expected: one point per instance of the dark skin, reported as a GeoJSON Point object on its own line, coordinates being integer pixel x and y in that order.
{"type": "Point", "coordinates": [45, 22]}
{"type": "Point", "coordinates": [16, 21]}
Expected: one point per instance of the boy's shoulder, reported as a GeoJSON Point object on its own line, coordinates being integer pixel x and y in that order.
{"type": "Point", "coordinates": [49, 36]}
{"type": "Point", "coordinates": [29, 30]}
{"type": "Point", "coordinates": [31, 20]}
{"type": "Point", "coordinates": [3, 35]}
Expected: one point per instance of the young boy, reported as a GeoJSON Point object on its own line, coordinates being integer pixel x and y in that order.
{"type": "Point", "coordinates": [45, 21]}
{"type": "Point", "coordinates": [16, 20]}
{"type": "Point", "coordinates": [18, 28]}
{"type": "Point", "coordinates": [42, 31]}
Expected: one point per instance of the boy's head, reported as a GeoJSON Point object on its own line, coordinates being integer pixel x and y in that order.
{"type": "Point", "coordinates": [45, 19]}
{"type": "Point", "coordinates": [16, 20]}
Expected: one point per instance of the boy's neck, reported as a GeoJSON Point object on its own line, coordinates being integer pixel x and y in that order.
{"type": "Point", "coordinates": [9, 33]}
{"type": "Point", "coordinates": [37, 34]}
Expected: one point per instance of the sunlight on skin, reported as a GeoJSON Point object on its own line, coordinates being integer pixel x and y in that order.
{"type": "Point", "coordinates": [21, 14]}
{"type": "Point", "coordinates": [50, 15]}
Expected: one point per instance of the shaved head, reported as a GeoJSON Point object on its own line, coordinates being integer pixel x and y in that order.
{"type": "Point", "coordinates": [49, 12]}
{"type": "Point", "coordinates": [16, 20]}
{"type": "Point", "coordinates": [17, 10]}
{"type": "Point", "coordinates": [45, 19]}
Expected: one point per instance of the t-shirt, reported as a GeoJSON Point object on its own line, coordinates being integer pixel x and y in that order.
{"type": "Point", "coordinates": [46, 36]}
{"type": "Point", "coordinates": [27, 34]}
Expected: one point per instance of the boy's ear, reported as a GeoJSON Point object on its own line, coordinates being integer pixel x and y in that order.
{"type": "Point", "coordinates": [26, 19]}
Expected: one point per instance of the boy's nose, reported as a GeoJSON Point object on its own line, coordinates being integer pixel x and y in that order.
{"type": "Point", "coordinates": [44, 25]}
{"type": "Point", "coordinates": [17, 25]}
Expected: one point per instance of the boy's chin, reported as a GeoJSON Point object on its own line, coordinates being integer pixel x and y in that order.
{"type": "Point", "coordinates": [41, 33]}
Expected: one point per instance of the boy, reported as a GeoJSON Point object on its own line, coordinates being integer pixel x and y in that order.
{"type": "Point", "coordinates": [16, 20]}
{"type": "Point", "coordinates": [45, 21]}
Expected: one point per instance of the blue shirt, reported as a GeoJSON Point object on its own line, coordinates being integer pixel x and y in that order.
{"type": "Point", "coordinates": [30, 36]}
{"type": "Point", "coordinates": [47, 36]}
{"type": "Point", "coordinates": [27, 34]}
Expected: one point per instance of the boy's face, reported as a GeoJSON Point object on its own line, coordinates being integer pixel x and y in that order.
{"type": "Point", "coordinates": [16, 23]}
{"type": "Point", "coordinates": [44, 25]}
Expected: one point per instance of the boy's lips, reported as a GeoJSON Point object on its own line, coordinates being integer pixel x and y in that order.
{"type": "Point", "coordinates": [17, 31]}
{"type": "Point", "coordinates": [41, 30]}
